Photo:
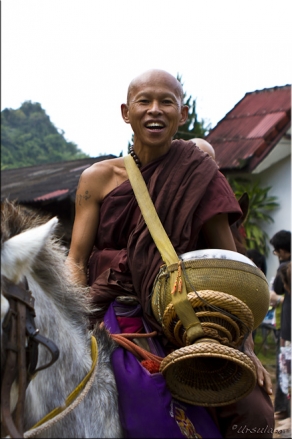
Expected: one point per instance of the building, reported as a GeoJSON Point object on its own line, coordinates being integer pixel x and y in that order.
{"type": "Point", "coordinates": [50, 188]}
{"type": "Point", "coordinates": [253, 141]}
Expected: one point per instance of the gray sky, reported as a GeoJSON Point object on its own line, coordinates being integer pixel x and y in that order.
{"type": "Point", "coordinates": [76, 58]}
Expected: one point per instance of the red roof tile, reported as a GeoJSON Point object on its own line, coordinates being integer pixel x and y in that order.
{"type": "Point", "coordinates": [266, 124]}
{"type": "Point", "coordinates": [252, 128]}
{"type": "Point", "coordinates": [45, 183]}
{"type": "Point", "coordinates": [50, 195]}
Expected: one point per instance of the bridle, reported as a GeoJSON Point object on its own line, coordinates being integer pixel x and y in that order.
{"type": "Point", "coordinates": [20, 341]}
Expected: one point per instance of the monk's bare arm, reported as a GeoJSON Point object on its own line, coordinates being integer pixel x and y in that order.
{"type": "Point", "coordinates": [94, 184]}
{"type": "Point", "coordinates": [218, 234]}
{"type": "Point", "coordinates": [85, 225]}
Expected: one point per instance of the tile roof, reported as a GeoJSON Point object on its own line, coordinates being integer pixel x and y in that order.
{"type": "Point", "coordinates": [244, 137]}
{"type": "Point", "coordinates": [50, 195]}
{"type": "Point", "coordinates": [45, 182]}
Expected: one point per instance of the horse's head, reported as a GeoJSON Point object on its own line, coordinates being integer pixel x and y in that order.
{"type": "Point", "coordinates": [37, 288]}
{"type": "Point", "coordinates": [29, 248]}
{"type": "Point", "coordinates": [19, 252]}
{"type": "Point", "coordinates": [20, 246]}
{"type": "Point", "coordinates": [23, 235]}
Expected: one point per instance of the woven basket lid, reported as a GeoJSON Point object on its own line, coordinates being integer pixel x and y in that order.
{"type": "Point", "coordinates": [208, 374]}
{"type": "Point", "coordinates": [216, 253]}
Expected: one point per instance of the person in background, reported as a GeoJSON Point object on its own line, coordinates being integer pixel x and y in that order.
{"type": "Point", "coordinates": [285, 354]}
{"type": "Point", "coordinates": [204, 146]}
{"type": "Point", "coordinates": [280, 296]}
{"type": "Point", "coordinates": [259, 259]}
{"type": "Point", "coordinates": [236, 228]}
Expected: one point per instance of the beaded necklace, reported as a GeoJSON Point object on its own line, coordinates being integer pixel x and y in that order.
{"type": "Point", "coordinates": [135, 157]}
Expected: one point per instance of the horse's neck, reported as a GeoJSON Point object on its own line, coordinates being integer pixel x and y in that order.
{"type": "Point", "coordinates": [74, 360]}
{"type": "Point", "coordinates": [97, 415]}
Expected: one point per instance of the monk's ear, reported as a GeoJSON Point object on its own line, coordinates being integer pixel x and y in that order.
{"type": "Point", "coordinates": [125, 113]}
{"type": "Point", "coordinates": [184, 114]}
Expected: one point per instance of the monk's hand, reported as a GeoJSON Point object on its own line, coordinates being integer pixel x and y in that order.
{"type": "Point", "coordinates": [263, 376]}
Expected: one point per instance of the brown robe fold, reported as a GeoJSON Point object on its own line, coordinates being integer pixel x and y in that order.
{"type": "Point", "coordinates": [187, 189]}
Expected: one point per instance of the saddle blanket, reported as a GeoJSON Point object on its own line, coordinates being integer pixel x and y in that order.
{"type": "Point", "coordinates": [146, 406]}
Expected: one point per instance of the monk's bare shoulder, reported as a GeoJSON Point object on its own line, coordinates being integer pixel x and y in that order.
{"type": "Point", "coordinates": [101, 178]}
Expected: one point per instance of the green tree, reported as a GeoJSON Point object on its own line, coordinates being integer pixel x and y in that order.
{"type": "Point", "coordinates": [193, 127]}
{"type": "Point", "coordinates": [28, 137]}
{"type": "Point", "coordinates": [261, 204]}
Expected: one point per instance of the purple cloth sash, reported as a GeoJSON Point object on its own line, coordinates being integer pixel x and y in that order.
{"type": "Point", "coordinates": [146, 406]}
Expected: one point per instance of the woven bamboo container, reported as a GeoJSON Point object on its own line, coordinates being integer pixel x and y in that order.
{"type": "Point", "coordinates": [235, 277]}
{"type": "Point", "coordinates": [212, 371]}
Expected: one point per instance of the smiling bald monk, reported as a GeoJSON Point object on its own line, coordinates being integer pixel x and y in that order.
{"type": "Point", "coordinates": [113, 252]}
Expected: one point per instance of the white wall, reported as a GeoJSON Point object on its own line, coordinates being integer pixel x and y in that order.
{"type": "Point", "coordinates": [278, 177]}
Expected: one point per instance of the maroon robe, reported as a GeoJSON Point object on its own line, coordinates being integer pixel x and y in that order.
{"type": "Point", "coordinates": [187, 190]}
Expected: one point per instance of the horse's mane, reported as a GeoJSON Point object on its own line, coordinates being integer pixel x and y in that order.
{"type": "Point", "coordinates": [16, 218]}
{"type": "Point", "coordinates": [49, 268]}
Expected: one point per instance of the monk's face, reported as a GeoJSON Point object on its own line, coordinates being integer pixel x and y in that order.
{"type": "Point", "coordinates": [154, 108]}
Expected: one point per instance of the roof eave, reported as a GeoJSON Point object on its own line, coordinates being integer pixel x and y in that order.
{"type": "Point", "coordinates": [256, 160]}
{"type": "Point", "coordinates": [253, 161]}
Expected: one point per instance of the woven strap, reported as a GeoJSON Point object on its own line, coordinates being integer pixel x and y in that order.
{"type": "Point", "coordinates": [179, 297]}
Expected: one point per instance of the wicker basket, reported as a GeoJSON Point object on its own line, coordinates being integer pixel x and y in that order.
{"type": "Point", "coordinates": [212, 371]}
{"type": "Point", "coordinates": [236, 278]}
{"type": "Point", "coordinates": [208, 374]}
{"type": "Point", "coordinates": [223, 318]}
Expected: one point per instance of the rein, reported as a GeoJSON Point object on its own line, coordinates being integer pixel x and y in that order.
{"type": "Point", "coordinates": [72, 400]}
{"type": "Point", "coordinates": [21, 360]}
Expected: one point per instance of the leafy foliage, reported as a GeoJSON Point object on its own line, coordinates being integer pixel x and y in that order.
{"type": "Point", "coordinates": [260, 206]}
{"type": "Point", "coordinates": [28, 137]}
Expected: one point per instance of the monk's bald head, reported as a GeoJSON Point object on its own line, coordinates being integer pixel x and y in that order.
{"type": "Point", "coordinates": [155, 77]}
{"type": "Point", "coordinates": [205, 146]}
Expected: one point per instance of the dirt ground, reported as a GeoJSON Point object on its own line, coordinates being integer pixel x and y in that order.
{"type": "Point", "coordinates": [265, 349]}
{"type": "Point", "coordinates": [283, 428]}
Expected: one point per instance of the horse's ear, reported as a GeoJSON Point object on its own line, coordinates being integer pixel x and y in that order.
{"type": "Point", "coordinates": [19, 252]}
{"type": "Point", "coordinates": [244, 205]}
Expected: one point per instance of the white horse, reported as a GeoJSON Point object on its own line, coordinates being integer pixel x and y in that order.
{"type": "Point", "coordinates": [29, 249]}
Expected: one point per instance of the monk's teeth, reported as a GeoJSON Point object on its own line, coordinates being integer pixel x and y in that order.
{"type": "Point", "coordinates": [154, 126]}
